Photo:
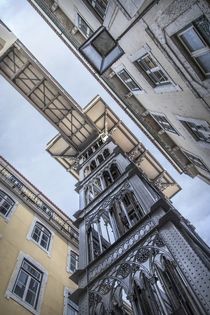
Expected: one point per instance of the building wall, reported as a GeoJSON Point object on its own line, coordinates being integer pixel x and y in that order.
{"type": "Point", "coordinates": [187, 97]}
{"type": "Point", "coordinates": [14, 240]}
{"type": "Point", "coordinates": [176, 102]}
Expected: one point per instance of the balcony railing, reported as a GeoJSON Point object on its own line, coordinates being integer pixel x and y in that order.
{"type": "Point", "coordinates": [35, 200]}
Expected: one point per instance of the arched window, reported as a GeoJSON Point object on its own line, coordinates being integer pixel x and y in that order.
{"type": "Point", "coordinates": [92, 165]}
{"type": "Point", "coordinates": [89, 194]}
{"type": "Point", "coordinates": [74, 261]}
{"type": "Point", "coordinates": [106, 153]}
{"type": "Point", "coordinates": [114, 171]}
{"type": "Point", "coordinates": [97, 188]}
{"type": "Point", "coordinates": [6, 203]}
{"type": "Point", "coordinates": [90, 151]}
{"type": "Point", "coordinates": [100, 158]}
{"type": "Point", "coordinates": [174, 288]}
{"type": "Point", "coordinates": [86, 171]}
{"type": "Point", "coordinates": [107, 178]}
{"type": "Point", "coordinates": [96, 146]}
{"type": "Point", "coordinates": [41, 235]}
{"type": "Point", "coordinates": [132, 207]}
{"type": "Point", "coordinates": [97, 183]}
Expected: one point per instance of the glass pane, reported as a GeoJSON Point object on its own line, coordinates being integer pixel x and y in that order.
{"type": "Point", "coordinates": [204, 62]}
{"type": "Point", "coordinates": [45, 237]}
{"type": "Point", "coordinates": [4, 208]}
{"type": "Point", "coordinates": [30, 269]}
{"type": "Point", "coordinates": [147, 62]}
{"type": "Point", "coordinates": [20, 284]}
{"type": "Point", "coordinates": [104, 43]}
{"type": "Point", "coordinates": [203, 26]}
{"type": "Point", "coordinates": [132, 86]}
{"type": "Point", "coordinates": [36, 234]}
{"type": "Point", "coordinates": [124, 75]}
{"type": "Point", "coordinates": [47, 233]}
{"type": "Point", "coordinates": [158, 77]}
{"type": "Point", "coordinates": [192, 40]}
{"type": "Point", "coordinates": [44, 243]}
{"type": "Point", "coordinates": [84, 27]}
{"type": "Point", "coordinates": [31, 294]}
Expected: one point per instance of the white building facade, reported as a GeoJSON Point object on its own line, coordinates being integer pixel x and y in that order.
{"type": "Point", "coordinates": [154, 59]}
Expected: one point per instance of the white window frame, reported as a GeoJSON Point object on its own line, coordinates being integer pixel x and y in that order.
{"type": "Point", "coordinates": [68, 292]}
{"type": "Point", "coordinates": [89, 29]}
{"type": "Point", "coordinates": [205, 168]}
{"type": "Point", "coordinates": [157, 68]}
{"type": "Point", "coordinates": [170, 87]}
{"type": "Point", "coordinates": [70, 250]}
{"type": "Point", "coordinates": [121, 67]}
{"type": "Point", "coordinates": [12, 210]}
{"type": "Point", "coordinates": [196, 53]}
{"type": "Point", "coordinates": [154, 114]}
{"type": "Point", "coordinates": [29, 235]}
{"type": "Point", "coordinates": [9, 292]}
{"type": "Point", "coordinates": [198, 122]}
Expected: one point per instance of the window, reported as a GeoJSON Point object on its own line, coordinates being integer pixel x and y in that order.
{"type": "Point", "coordinates": [86, 171]}
{"type": "Point", "coordinates": [152, 71]}
{"type": "Point", "coordinates": [106, 153]}
{"type": "Point", "coordinates": [128, 81]}
{"type": "Point", "coordinates": [100, 158]}
{"type": "Point", "coordinates": [6, 203]}
{"type": "Point", "coordinates": [26, 285]}
{"type": "Point", "coordinates": [41, 235]}
{"type": "Point", "coordinates": [114, 171]}
{"type": "Point", "coordinates": [197, 161]}
{"type": "Point", "coordinates": [74, 261]}
{"type": "Point", "coordinates": [101, 50]}
{"type": "Point", "coordinates": [111, 175]}
{"type": "Point", "coordinates": [164, 123]}
{"type": "Point", "coordinates": [132, 208]}
{"type": "Point", "coordinates": [199, 129]}
{"type": "Point", "coordinates": [70, 308]}
{"type": "Point", "coordinates": [99, 6]}
{"type": "Point", "coordinates": [93, 165]}
{"type": "Point", "coordinates": [84, 27]}
{"type": "Point", "coordinates": [196, 41]}
{"type": "Point", "coordinates": [16, 182]}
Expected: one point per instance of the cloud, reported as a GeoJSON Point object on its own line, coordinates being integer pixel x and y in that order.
{"type": "Point", "coordinates": [24, 132]}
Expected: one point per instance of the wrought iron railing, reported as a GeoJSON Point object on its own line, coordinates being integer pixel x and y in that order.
{"type": "Point", "coordinates": [36, 200]}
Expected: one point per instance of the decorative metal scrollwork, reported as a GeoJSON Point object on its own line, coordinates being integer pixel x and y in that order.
{"type": "Point", "coordinates": [94, 299]}
{"type": "Point", "coordinates": [159, 242]}
{"type": "Point", "coordinates": [124, 270]}
{"type": "Point", "coordinates": [105, 287]}
{"type": "Point", "coordinates": [142, 255]}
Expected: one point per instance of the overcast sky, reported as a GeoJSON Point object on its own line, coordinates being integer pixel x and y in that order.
{"type": "Point", "coordinates": [24, 133]}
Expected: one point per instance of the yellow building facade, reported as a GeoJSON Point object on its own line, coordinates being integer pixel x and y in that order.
{"type": "Point", "coordinates": [38, 250]}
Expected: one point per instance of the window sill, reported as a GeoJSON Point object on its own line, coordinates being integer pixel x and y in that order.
{"type": "Point", "coordinates": [167, 88]}
{"type": "Point", "coordinates": [42, 248]}
{"type": "Point", "coordinates": [11, 295]}
{"type": "Point", "coordinates": [5, 218]}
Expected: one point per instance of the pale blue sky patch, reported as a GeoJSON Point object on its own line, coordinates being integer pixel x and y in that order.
{"type": "Point", "coordinates": [24, 133]}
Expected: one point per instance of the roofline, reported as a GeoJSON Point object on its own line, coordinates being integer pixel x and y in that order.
{"type": "Point", "coordinates": [40, 193]}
